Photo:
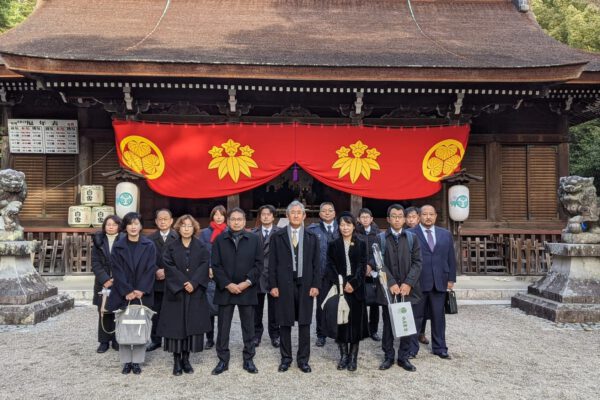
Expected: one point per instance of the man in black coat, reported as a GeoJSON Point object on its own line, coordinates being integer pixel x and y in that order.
{"type": "Point", "coordinates": [402, 259]}
{"type": "Point", "coordinates": [267, 228]}
{"type": "Point", "coordinates": [162, 238]}
{"type": "Point", "coordinates": [294, 279]}
{"type": "Point", "coordinates": [237, 260]}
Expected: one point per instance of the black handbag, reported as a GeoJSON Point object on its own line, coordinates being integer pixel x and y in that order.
{"type": "Point", "coordinates": [371, 293]}
{"type": "Point", "coordinates": [450, 305]}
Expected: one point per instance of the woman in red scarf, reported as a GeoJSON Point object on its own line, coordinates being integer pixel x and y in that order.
{"type": "Point", "coordinates": [207, 237]}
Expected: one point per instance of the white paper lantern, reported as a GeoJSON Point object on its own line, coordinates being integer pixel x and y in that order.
{"type": "Point", "coordinates": [80, 216]}
{"type": "Point", "coordinates": [459, 202]}
{"type": "Point", "coordinates": [99, 213]}
{"type": "Point", "coordinates": [127, 198]}
{"type": "Point", "coordinates": [92, 195]}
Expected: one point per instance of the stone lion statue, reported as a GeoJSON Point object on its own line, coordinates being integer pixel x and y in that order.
{"type": "Point", "coordinates": [578, 197]}
{"type": "Point", "coordinates": [13, 191]}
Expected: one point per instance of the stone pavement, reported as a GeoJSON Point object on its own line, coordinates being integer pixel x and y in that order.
{"type": "Point", "coordinates": [498, 353]}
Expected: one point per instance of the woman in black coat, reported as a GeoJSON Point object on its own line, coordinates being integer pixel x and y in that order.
{"type": "Point", "coordinates": [185, 310]}
{"type": "Point", "coordinates": [347, 256]}
{"type": "Point", "coordinates": [133, 260]}
{"type": "Point", "coordinates": [102, 243]}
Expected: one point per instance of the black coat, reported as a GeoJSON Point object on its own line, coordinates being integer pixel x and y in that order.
{"type": "Point", "coordinates": [132, 272]}
{"type": "Point", "coordinates": [185, 314]}
{"type": "Point", "coordinates": [357, 327]}
{"type": "Point", "coordinates": [161, 245]}
{"type": "Point", "coordinates": [235, 264]}
{"type": "Point", "coordinates": [266, 245]}
{"type": "Point", "coordinates": [100, 264]}
{"type": "Point", "coordinates": [402, 265]}
{"type": "Point", "coordinates": [281, 276]}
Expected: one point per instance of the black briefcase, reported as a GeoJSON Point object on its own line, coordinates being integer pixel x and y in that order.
{"type": "Point", "coordinates": [371, 294]}
{"type": "Point", "coordinates": [450, 306]}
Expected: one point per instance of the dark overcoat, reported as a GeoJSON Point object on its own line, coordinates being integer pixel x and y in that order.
{"type": "Point", "coordinates": [439, 265]}
{"type": "Point", "coordinates": [235, 264]}
{"type": "Point", "coordinates": [402, 265]}
{"type": "Point", "coordinates": [161, 245]}
{"type": "Point", "coordinates": [185, 314]}
{"type": "Point", "coordinates": [357, 327]}
{"type": "Point", "coordinates": [100, 264]}
{"type": "Point", "coordinates": [266, 245]}
{"type": "Point", "coordinates": [324, 237]}
{"type": "Point", "coordinates": [132, 272]}
{"type": "Point", "coordinates": [281, 276]}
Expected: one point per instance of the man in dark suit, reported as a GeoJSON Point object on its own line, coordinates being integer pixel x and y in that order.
{"type": "Point", "coordinates": [162, 238]}
{"type": "Point", "coordinates": [266, 214]}
{"type": "Point", "coordinates": [237, 261]}
{"type": "Point", "coordinates": [294, 279]}
{"type": "Point", "coordinates": [438, 275]}
{"type": "Point", "coordinates": [326, 231]}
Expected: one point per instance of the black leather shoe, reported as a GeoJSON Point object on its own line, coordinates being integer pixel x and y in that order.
{"type": "Point", "coordinates": [250, 367]}
{"type": "Point", "coordinates": [152, 346]}
{"type": "Point", "coordinates": [304, 367]}
{"type": "Point", "coordinates": [115, 345]}
{"type": "Point", "coordinates": [102, 348]}
{"type": "Point", "coordinates": [444, 355]}
{"type": "Point", "coordinates": [376, 337]}
{"type": "Point", "coordinates": [423, 339]}
{"type": "Point", "coordinates": [210, 343]}
{"type": "Point", "coordinates": [320, 342]}
{"type": "Point", "coordinates": [406, 365]}
{"type": "Point", "coordinates": [276, 342]}
{"type": "Point", "coordinates": [177, 370]}
{"type": "Point", "coordinates": [386, 364]}
{"type": "Point", "coordinates": [284, 366]}
{"type": "Point", "coordinates": [256, 342]}
{"type": "Point", "coordinates": [136, 369]}
{"type": "Point", "coordinates": [220, 368]}
{"type": "Point", "coordinates": [126, 368]}
{"type": "Point", "coordinates": [185, 363]}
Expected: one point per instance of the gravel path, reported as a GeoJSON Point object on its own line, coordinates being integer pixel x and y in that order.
{"type": "Point", "coordinates": [498, 353]}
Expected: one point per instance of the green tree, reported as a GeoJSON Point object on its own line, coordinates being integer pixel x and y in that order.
{"type": "Point", "coordinates": [13, 12]}
{"type": "Point", "coordinates": [584, 157]}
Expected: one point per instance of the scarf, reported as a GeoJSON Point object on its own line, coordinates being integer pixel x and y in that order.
{"type": "Point", "coordinates": [217, 230]}
{"type": "Point", "coordinates": [297, 265]}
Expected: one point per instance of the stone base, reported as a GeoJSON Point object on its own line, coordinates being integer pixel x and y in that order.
{"type": "Point", "coordinates": [38, 311]}
{"type": "Point", "coordinates": [556, 311]}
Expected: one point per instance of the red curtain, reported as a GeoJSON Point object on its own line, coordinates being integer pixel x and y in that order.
{"type": "Point", "coordinates": [203, 161]}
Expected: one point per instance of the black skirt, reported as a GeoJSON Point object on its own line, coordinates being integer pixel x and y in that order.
{"type": "Point", "coordinates": [191, 344]}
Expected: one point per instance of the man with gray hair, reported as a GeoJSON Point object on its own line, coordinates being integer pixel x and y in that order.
{"type": "Point", "coordinates": [294, 281]}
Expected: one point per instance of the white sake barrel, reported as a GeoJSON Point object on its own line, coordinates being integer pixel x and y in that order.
{"type": "Point", "coordinates": [92, 195]}
{"type": "Point", "coordinates": [99, 213]}
{"type": "Point", "coordinates": [127, 198]}
{"type": "Point", "coordinates": [458, 202]}
{"type": "Point", "coordinates": [80, 216]}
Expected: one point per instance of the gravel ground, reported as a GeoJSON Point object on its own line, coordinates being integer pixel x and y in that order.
{"type": "Point", "coordinates": [498, 353]}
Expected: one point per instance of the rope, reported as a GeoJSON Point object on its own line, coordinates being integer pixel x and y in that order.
{"type": "Point", "coordinates": [82, 171]}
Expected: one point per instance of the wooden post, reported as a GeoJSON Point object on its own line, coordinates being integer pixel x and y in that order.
{"type": "Point", "coordinates": [563, 170]}
{"type": "Point", "coordinates": [84, 159]}
{"type": "Point", "coordinates": [233, 201]}
{"type": "Point", "coordinates": [356, 204]}
{"type": "Point", "coordinates": [493, 173]}
{"type": "Point", "coordinates": [5, 157]}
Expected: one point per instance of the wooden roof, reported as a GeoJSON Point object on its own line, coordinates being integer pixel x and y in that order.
{"type": "Point", "coordinates": [375, 40]}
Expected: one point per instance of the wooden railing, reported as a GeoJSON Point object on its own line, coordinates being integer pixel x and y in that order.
{"type": "Point", "coordinates": [508, 253]}
{"type": "Point", "coordinates": [62, 253]}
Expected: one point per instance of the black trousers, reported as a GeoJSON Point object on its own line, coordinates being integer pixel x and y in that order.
{"type": "Point", "coordinates": [109, 324]}
{"type": "Point", "coordinates": [434, 302]}
{"type": "Point", "coordinates": [424, 321]}
{"type": "Point", "coordinates": [158, 299]}
{"type": "Point", "coordinates": [407, 343]}
{"type": "Point", "coordinates": [246, 314]}
{"type": "Point", "coordinates": [373, 319]}
{"type": "Point", "coordinates": [210, 335]}
{"type": "Point", "coordinates": [285, 347]}
{"type": "Point", "coordinates": [325, 286]}
{"type": "Point", "coordinates": [272, 326]}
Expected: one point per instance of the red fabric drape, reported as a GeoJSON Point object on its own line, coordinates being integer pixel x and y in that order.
{"type": "Point", "coordinates": [203, 161]}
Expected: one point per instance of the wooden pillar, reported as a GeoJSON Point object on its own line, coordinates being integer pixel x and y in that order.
{"type": "Point", "coordinates": [356, 203]}
{"type": "Point", "coordinates": [493, 178]}
{"type": "Point", "coordinates": [233, 201]}
{"type": "Point", "coordinates": [6, 158]}
{"type": "Point", "coordinates": [84, 158]}
{"type": "Point", "coordinates": [563, 170]}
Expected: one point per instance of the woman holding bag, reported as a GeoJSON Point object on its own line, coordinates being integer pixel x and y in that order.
{"type": "Point", "coordinates": [133, 260]}
{"type": "Point", "coordinates": [347, 257]}
{"type": "Point", "coordinates": [185, 309]}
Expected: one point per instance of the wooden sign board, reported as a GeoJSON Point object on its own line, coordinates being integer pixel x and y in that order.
{"type": "Point", "coordinates": [43, 136]}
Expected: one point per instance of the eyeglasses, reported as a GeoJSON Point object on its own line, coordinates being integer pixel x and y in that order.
{"type": "Point", "coordinates": [236, 219]}
{"type": "Point", "coordinates": [396, 216]}
{"type": "Point", "coordinates": [187, 226]}
{"type": "Point", "coordinates": [163, 219]}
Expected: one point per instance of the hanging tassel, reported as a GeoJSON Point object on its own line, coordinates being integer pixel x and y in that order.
{"type": "Point", "coordinates": [295, 173]}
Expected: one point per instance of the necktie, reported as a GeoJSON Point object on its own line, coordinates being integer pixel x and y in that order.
{"type": "Point", "coordinates": [396, 238]}
{"type": "Point", "coordinates": [294, 238]}
{"type": "Point", "coordinates": [265, 233]}
{"type": "Point", "coordinates": [330, 229]}
{"type": "Point", "coordinates": [430, 239]}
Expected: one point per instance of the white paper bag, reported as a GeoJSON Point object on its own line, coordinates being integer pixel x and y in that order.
{"type": "Point", "coordinates": [402, 319]}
